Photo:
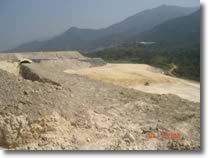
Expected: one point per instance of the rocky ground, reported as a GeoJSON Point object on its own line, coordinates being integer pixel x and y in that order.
{"type": "Point", "coordinates": [53, 110]}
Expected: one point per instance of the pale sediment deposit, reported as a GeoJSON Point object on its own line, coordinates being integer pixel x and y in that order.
{"type": "Point", "coordinates": [142, 77]}
{"type": "Point", "coordinates": [68, 103]}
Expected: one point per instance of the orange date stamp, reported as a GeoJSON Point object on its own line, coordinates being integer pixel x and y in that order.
{"type": "Point", "coordinates": [152, 135]}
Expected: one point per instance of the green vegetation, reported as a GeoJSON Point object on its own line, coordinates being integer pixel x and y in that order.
{"type": "Point", "coordinates": [187, 60]}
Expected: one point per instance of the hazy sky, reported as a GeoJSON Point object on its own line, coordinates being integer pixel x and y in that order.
{"type": "Point", "coordinates": [26, 20]}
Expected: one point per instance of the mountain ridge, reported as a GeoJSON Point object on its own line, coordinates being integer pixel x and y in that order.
{"type": "Point", "coordinates": [89, 39]}
{"type": "Point", "coordinates": [179, 29]}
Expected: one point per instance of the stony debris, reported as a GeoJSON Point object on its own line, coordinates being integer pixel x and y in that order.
{"type": "Point", "coordinates": [84, 114]}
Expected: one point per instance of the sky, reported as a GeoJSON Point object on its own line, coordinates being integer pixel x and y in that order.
{"type": "Point", "coordinates": [27, 20]}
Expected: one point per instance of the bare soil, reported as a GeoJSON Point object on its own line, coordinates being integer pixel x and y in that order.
{"type": "Point", "coordinates": [81, 113]}
{"type": "Point", "coordinates": [137, 75]}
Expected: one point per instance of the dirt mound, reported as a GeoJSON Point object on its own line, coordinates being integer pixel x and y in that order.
{"type": "Point", "coordinates": [95, 61]}
{"type": "Point", "coordinates": [41, 55]}
{"type": "Point", "coordinates": [30, 74]}
{"type": "Point", "coordinates": [87, 114]}
{"type": "Point", "coordinates": [50, 70]}
{"type": "Point", "coordinates": [8, 57]}
{"type": "Point", "coordinates": [50, 55]}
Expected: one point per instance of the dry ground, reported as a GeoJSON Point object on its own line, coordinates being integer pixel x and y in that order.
{"type": "Point", "coordinates": [84, 113]}
{"type": "Point", "coordinates": [136, 75]}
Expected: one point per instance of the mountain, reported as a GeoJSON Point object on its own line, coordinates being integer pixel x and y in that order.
{"type": "Point", "coordinates": [73, 38]}
{"type": "Point", "coordinates": [182, 29]}
{"type": "Point", "coordinates": [88, 39]}
{"type": "Point", "coordinates": [148, 19]}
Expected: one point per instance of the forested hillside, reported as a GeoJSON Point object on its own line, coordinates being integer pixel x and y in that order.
{"type": "Point", "coordinates": [187, 60]}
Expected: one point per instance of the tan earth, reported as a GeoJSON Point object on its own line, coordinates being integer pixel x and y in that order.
{"type": "Point", "coordinates": [136, 75]}
{"type": "Point", "coordinates": [11, 67]}
{"type": "Point", "coordinates": [44, 108]}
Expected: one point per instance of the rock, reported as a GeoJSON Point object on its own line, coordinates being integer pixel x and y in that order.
{"type": "Point", "coordinates": [88, 139]}
{"type": "Point", "coordinates": [59, 88]}
{"type": "Point", "coordinates": [1, 136]}
{"type": "Point", "coordinates": [102, 121]}
{"type": "Point", "coordinates": [111, 130]}
{"type": "Point", "coordinates": [25, 93]}
{"type": "Point", "coordinates": [122, 93]}
{"type": "Point", "coordinates": [129, 137]}
{"type": "Point", "coordinates": [146, 84]}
